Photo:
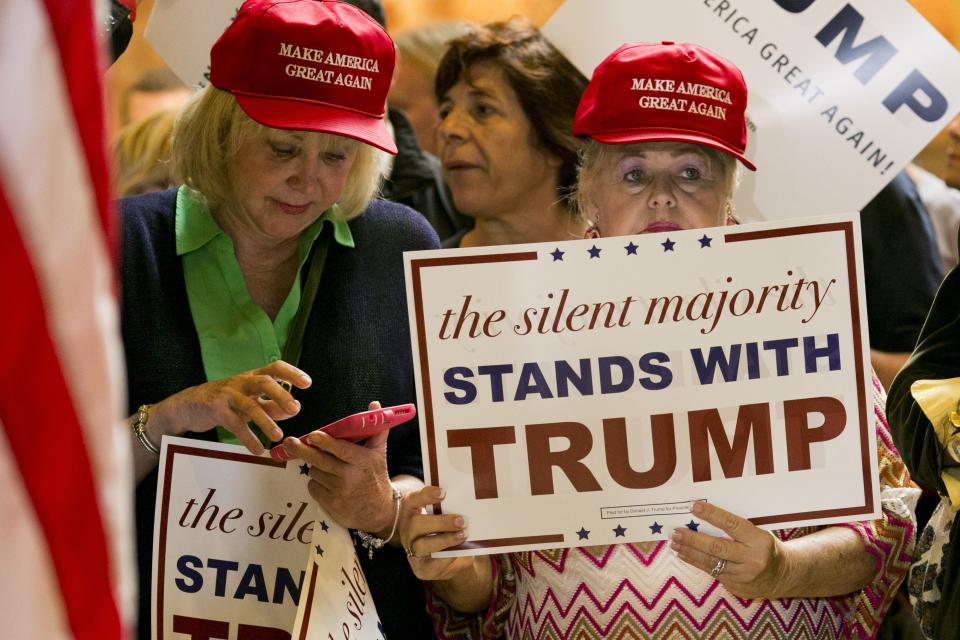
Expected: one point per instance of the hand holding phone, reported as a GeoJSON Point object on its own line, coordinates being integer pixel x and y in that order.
{"type": "Point", "coordinates": [359, 426]}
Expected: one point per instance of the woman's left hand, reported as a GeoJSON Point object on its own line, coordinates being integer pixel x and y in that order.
{"type": "Point", "coordinates": [755, 559]}
{"type": "Point", "coordinates": [350, 481]}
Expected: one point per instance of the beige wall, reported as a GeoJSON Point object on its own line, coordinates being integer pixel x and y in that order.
{"type": "Point", "coordinates": [407, 14]}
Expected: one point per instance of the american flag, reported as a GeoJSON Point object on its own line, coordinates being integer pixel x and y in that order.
{"type": "Point", "coordinates": [66, 565]}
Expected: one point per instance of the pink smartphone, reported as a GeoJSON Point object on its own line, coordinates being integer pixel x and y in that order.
{"type": "Point", "coordinates": [359, 426]}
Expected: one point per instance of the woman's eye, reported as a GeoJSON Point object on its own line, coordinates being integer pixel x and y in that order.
{"type": "Point", "coordinates": [485, 109]}
{"type": "Point", "coordinates": [334, 156]}
{"type": "Point", "coordinates": [634, 176]}
{"type": "Point", "coordinates": [691, 173]}
{"type": "Point", "coordinates": [283, 150]}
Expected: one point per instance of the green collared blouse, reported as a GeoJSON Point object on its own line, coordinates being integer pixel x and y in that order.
{"type": "Point", "coordinates": [235, 334]}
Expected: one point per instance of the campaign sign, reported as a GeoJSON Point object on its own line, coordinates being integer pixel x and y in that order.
{"type": "Point", "coordinates": [842, 94]}
{"type": "Point", "coordinates": [321, 614]}
{"type": "Point", "coordinates": [586, 392]}
{"type": "Point", "coordinates": [235, 538]}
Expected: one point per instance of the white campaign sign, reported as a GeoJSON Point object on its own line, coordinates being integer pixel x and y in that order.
{"type": "Point", "coordinates": [183, 31]}
{"type": "Point", "coordinates": [585, 392]}
{"type": "Point", "coordinates": [239, 542]}
{"type": "Point", "coordinates": [842, 94]}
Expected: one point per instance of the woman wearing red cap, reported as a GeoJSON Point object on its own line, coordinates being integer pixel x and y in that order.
{"type": "Point", "coordinates": [666, 128]}
{"type": "Point", "coordinates": [273, 266]}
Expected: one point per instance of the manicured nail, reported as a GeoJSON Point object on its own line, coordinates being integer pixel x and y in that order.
{"type": "Point", "coordinates": [305, 380]}
{"type": "Point", "coordinates": [459, 522]}
{"type": "Point", "coordinates": [292, 405]}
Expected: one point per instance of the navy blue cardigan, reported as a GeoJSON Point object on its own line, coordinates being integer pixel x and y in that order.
{"type": "Point", "coordinates": [356, 348]}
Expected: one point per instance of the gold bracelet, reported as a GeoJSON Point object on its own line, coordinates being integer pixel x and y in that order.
{"type": "Point", "coordinates": [140, 424]}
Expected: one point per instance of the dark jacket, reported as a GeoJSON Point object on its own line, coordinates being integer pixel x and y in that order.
{"type": "Point", "coordinates": [936, 357]}
{"type": "Point", "coordinates": [416, 181]}
{"type": "Point", "coordinates": [901, 265]}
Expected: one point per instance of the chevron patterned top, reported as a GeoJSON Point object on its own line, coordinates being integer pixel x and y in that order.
{"type": "Point", "coordinates": [643, 590]}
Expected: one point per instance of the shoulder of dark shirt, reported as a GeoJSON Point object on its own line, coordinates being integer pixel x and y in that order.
{"type": "Point", "coordinates": [394, 224]}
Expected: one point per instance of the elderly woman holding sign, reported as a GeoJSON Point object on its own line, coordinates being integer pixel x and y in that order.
{"type": "Point", "coordinates": [651, 166]}
{"type": "Point", "coordinates": [273, 267]}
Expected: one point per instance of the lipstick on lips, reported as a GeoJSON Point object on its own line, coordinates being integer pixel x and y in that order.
{"type": "Point", "coordinates": [660, 226]}
{"type": "Point", "coordinates": [292, 209]}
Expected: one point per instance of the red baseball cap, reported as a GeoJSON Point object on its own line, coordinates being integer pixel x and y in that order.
{"type": "Point", "coordinates": [313, 65]}
{"type": "Point", "coordinates": [656, 92]}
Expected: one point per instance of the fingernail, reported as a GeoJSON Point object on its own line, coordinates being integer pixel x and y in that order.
{"type": "Point", "coordinates": [276, 435]}
{"type": "Point", "coordinates": [292, 405]}
{"type": "Point", "coordinates": [459, 522]}
{"type": "Point", "coordinates": [439, 494]}
{"type": "Point", "coordinates": [696, 508]}
{"type": "Point", "coordinates": [462, 534]}
{"type": "Point", "coordinates": [305, 380]}
{"type": "Point", "coordinates": [677, 535]}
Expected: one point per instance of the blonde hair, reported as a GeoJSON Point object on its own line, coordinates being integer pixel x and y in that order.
{"type": "Point", "coordinates": [594, 154]}
{"type": "Point", "coordinates": [141, 155]}
{"type": "Point", "coordinates": [212, 127]}
{"type": "Point", "coordinates": [423, 47]}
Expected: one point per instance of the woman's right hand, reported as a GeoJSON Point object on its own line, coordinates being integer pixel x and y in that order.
{"type": "Point", "coordinates": [253, 395]}
{"type": "Point", "coordinates": [422, 533]}
{"type": "Point", "coordinates": [465, 583]}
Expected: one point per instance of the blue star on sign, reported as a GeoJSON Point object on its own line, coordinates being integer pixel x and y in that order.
{"type": "Point", "coordinates": [583, 534]}
{"type": "Point", "coordinates": [594, 251]}
{"type": "Point", "coordinates": [557, 254]}
{"type": "Point", "coordinates": [304, 469]}
{"type": "Point", "coordinates": [631, 249]}
{"type": "Point", "coordinates": [705, 241]}
{"type": "Point", "coordinates": [656, 527]}
{"type": "Point", "coordinates": [668, 244]}
{"type": "Point", "coordinates": [619, 531]}
{"type": "Point", "coordinates": [319, 551]}
{"type": "Point", "coordinates": [693, 525]}
{"type": "Point", "coordinates": [324, 526]}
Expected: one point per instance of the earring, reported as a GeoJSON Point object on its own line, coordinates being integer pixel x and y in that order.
{"type": "Point", "coordinates": [593, 230]}
{"type": "Point", "coordinates": [728, 214]}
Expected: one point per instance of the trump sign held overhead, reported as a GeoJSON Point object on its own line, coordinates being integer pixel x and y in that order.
{"type": "Point", "coordinates": [585, 392]}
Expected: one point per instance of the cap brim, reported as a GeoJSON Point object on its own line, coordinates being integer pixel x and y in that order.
{"type": "Point", "coordinates": [668, 135]}
{"type": "Point", "coordinates": [287, 113]}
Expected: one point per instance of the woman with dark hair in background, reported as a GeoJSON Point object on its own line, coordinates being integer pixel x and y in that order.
{"type": "Point", "coordinates": [507, 98]}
